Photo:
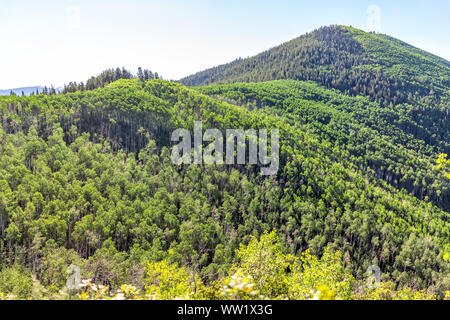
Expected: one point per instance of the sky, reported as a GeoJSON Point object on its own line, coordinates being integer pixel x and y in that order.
{"type": "Point", "coordinates": [53, 42]}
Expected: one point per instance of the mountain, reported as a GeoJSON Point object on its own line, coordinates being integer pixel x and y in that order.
{"type": "Point", "coordinates": [347, 59]}
{"type": "Point", "coordinates": [87, 177]}
{"type": "Point", "coordinates": [29, 90]}
{"type": "Point", "coordinates": [389, 71]}
{"type": "Point", "coordinates": [18, 91]}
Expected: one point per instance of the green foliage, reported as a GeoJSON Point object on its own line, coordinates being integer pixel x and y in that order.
{"type": "Point", "coordinates": [78, 188]}
{"type": "Point", "coordinates": [54, 264]}
{"type": "Point", "coordinates": [386, 291]}
{"type": "Point", "coordinates": [168, 281]}
{"type": "Point", "coordinates": [325, 274]}
{"type": "Point", "coordinates": [16, 282]}
{"type": "Point", "coordinates": [279, 275]}
{"type": "Point", "coordinates": [265, 262]}
{"type": "Point", "coordinates": [443, 163]}
{"type": "Point", "coordinates": [313, 278]}
{"type": "Point", "coordinates": [110, 76]}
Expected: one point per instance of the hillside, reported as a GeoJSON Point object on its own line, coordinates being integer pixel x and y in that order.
{"type": "Point", "coordinates": [389, 71]}
{"type": "Point", "coordinates": [347, 59]}
{"type": "Point", "coordinates": [86, 178]}
{"type": "Point", "coordinates": [384, 142]}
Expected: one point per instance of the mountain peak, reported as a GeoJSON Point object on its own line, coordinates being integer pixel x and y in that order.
{"type": "Point", "coordinates": [345, 58]}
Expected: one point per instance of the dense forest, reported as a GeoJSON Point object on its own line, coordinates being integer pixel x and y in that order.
{"type": "Point", "coordinates": [108, 76]}
{"type": "Point", "coordinates": [390, 72]}
{"type": "Point", "coordinates": [379, 139]}
{"type": "Point", "coordinates": [87, 180]}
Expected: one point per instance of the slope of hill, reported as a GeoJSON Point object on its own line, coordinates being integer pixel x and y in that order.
{"type": "Point", "coordinates": [387, 70]}
{"type": "Point", "coordinates": [418, 69]}
{"type": "Point", "coordinates": [86, 178]}
{"type": "Point", "coordinates": [347, 59]}
{"type": "Point", "coordinates": [377, 138]}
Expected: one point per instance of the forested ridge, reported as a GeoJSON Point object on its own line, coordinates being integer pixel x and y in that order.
{"type": "Point", "coordinates": [390, 72]}
{"type": "Point", "coordinates": [348, 59]}
{"type": "Point", "coordinates": [87, 179]}
{"type": "Point", "coordinates": [377, 138]}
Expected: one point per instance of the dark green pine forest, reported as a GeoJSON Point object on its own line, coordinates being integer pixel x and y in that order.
{"type": "Point", "coordinates": [87, 179]}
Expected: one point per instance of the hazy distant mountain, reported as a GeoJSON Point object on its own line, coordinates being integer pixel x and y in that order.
{"type": "Point", "coordinates": [26, 90]}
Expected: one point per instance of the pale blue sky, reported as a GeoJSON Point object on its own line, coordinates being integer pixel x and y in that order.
{"type": "Point", "coordinates": [54, 42]}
